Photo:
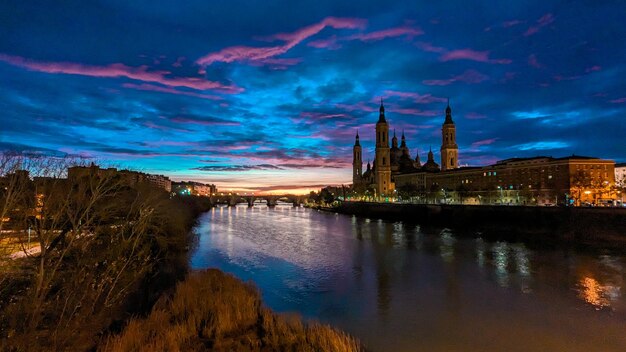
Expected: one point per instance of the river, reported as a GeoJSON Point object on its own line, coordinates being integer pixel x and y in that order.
{"type": "Point", "coordinates": [399, 287]}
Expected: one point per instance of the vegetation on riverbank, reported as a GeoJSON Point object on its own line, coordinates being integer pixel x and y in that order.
{"type": "Point", "coordinates": [109, 250]}
{"type": "Point", "coordinates": [214, 311]}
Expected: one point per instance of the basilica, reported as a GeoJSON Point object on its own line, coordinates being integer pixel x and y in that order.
{"type": "Point", "coordinates": [539, 180]}
{"type": "Point", "coordinates": [397, 160]}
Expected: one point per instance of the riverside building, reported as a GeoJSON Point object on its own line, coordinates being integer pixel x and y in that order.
{"type": "Point", "coordinates": [540, 180]}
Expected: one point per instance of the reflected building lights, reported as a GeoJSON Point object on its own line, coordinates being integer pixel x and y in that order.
{"type": "Point", "coordinates": [480, 252]}
{"type": "Point", "coordinates": [596, 294]}
{"type": "Point", "coordinates": [501, 261]}
{"type": "Point", "coordinates": [446, 246]}
{"type": "Point", "coordinates": [522, 263]}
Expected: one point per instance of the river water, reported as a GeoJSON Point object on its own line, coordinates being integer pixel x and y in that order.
{"type": "Point", "coordinates": [399, 287]}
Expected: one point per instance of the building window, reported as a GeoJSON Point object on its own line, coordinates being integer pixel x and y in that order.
{"type": "Point", "coordinates": [383, 160]}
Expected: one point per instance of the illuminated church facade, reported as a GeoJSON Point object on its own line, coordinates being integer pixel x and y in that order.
{"type": "Point", "coordinates": [539, 180]}
{"type": "Point", "coordinates": [389, 162]}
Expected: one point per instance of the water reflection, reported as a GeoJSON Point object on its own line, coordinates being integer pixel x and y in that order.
{"type": "Point", "coordinates": [602, 286]}
{"type": "Point", "coordinates": [402, 287]}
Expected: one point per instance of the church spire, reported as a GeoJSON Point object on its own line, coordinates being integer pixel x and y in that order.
{"type": "Point", "coordinates": [448, 114]}
{"type": "Point", "coordinates": [381, 116]}
{"type": "Point", "coordinates": [357, 142]}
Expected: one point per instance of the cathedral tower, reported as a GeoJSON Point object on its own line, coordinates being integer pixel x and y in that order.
{"type": "Point", "coordinates": [449, 148]}
{"type": "Point", "coordinates": [357, 162]}
{"type": "Point", "coordinates": [383, 162]}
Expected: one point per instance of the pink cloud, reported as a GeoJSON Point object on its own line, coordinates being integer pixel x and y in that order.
{"type": "Point", "coordinates": [483, 142]}
{"type": "Point", "coordinates": [619, 101]}
{"type": "Point", "coordinates": [322, 116]}
{"type": "Point", "coordinates": [277, 63]}
{"type": "Point", "coordinates": [508, 24]}
{"type": "Point", "coordinates": [213, 122]}
{"type": "Point", "coordinates": [361, 106]}
{"type": "Point", "coordinates": [332, 42]}
{"type": "Point", "coordinates": [417, 112]}
{"type": "Point", "coordinates": [154, 126]}
{"type": "Point", "coordinates": [541, 22]}
{"type": "Point", "coordinates": [409, 32]}
{"type": "Point", "coordinates": [475, 116]}
{"type": "Point", "coordinates": [430, 48]}
{"type": "Point", "coordinates": [469, 77]}
{"type": "Point", "coordinates": [154, 88]}
{"type": "Point", "coordinates": [250, 54]}
{"type": "Point", "coordinates": [560, 78]}
{"type": "Point", "coordinates": [593, 69]}
{"type": "Point", "coordinates": [140, 73]}
{"type": "Point", "coordinates": [328, 43]}
{"type": "Point", "coordinates": [418, 98]}
{"type": "Point", "coordinates": [532, 61]}
{"type": "Point", "coordinates": [473, 55]}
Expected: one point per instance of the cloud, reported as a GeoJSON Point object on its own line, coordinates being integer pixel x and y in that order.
{"type": "Point", "coordinates": [594, 68]}
{"type": "Point", "coordinates": [619, 101]}
{"type": "Point", "coordinates": [523, 115]}
{"type": "Point", "coordinates": [483, 142]}
{"type": "Point", "coordinates": [140, 73]}
{"type": "Point", "coordinates": [154, 88]}
{"type": "Point", "coordinates": [359, 106]}
{"type": "Point", "coordinates": [330, 43]}
{"type": "Point", "coordinates": [251, 54]}
{"type": "Point", "coordinates": [154, 126]}
{"type": "Point", "coordinates": [469, 77]}
{"type": "Point", "coordinates": [289, 187]}
{"type": "Point", "coordinates": [430, 48]}
{"type": "Point", "coordinates": [418, 98]}
{"type": "Point", "coordinates": [473, 55]}
{"type": "Point", "coordinates": [508, 24]}
{"type": "Point", "coordinates": [209, 121]}
{"type": "Point", "coordinates": [333, 42]}
{"type": "Point", "coordinates": [409, 111]}
{"type": "Point", "coordinates": [475, 116]}
{"type": "Point", "coordinates": [236, 168]}
{"type": "Point", "coordinates": [541, 22]}
{"type": "Point", "coordinates": [545, 145]}
{"type": "Point", "coordinates": [277, 63]}
{"type": "Point", "coordinates": [407, 31]}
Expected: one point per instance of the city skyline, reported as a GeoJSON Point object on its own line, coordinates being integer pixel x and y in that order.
{"type": "Point", "coordinates": [270, 98]}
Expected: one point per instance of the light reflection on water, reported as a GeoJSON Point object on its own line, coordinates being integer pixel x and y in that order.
{"type": "Point", "coordinates": [399, 287]}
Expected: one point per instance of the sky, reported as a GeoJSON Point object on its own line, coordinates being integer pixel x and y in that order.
{"type": "Point", "coordinates": [267, 96]}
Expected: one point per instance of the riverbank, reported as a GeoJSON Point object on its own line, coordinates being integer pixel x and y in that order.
{"type": "Point", "coordinates": [214, 311]}
{"type": "Point", "coordinates": [83, 287]}
{"type": "Point", "coordinates": [602, 227]}
{"type": "Point", "coordinates": [94, 290]}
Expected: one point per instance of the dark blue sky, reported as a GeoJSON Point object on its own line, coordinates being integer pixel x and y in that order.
{"type": "Point", "coordinates": [268, 94]}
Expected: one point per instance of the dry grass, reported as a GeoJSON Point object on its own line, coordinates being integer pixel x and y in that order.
{"type": "Point", "coordinates": [213, 310]}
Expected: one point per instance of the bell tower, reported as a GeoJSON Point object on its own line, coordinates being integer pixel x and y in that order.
{"type": "Point", "coordinates": [383, 163]}
{"type": "Point", "coordinates": [357, 162]}
{"type": "Point", "coordinates": [449, 148]}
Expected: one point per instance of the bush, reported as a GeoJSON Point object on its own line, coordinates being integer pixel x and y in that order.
{"type": "Point", "coordinates": [213, 310]}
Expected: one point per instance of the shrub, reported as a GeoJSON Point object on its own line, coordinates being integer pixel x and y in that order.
{"type": "Point", "coordinates": [213, 310]}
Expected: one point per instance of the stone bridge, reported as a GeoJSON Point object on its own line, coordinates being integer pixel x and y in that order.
{"type": "Point", "coordinates": [271, 200]}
